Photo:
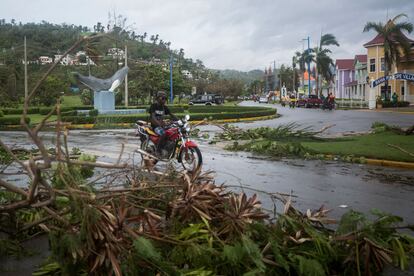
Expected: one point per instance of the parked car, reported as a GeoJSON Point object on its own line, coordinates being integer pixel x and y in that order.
{"type": "Point", "coordinates": [208, 99]}
{"type": "Point", "coordinates": [309, 101]}
{"type": "Point", "coordinates": [263, 99]}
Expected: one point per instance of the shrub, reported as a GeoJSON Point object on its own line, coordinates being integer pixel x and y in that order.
{"type": "Point", "coordinates": [87, 171]}
{"type": "Point", "coordinates": [83, 107]}
{"type": "Point", "coordinates": [93, 112]}
{"type": "Point", "coordinates": [236, 113]}
{"type": "Point", "coordinates": [388, 103]}
{"type": "Point", "coordinates": [11, 120]}
{"type": "Point", "coordinates": [44, 110]}
{"type": "Point", "coordinates": [69, 113]}
{"type": "Point", "coordinates": [1, 114]}
{"type": "Point", "coordinates": [132, 107]}
{"type": "Point", "coordinates": [79, 119]}
{"type": "Point", "coordinates": [86, 96]}
{"type": "Point", "coordinates": [18, 111]}
{"type": "Point", "coordinates": [403, 104]}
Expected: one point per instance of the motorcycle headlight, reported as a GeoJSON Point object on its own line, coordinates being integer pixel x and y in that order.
{"type": "Point", "coordinates": [187, 127]}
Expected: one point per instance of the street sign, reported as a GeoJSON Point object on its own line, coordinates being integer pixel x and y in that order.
{"type": "Point", "coordinates": [396, 76]}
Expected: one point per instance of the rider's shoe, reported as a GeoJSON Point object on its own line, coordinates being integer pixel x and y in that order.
{"type": "Point", "coordinates": [163, 153]}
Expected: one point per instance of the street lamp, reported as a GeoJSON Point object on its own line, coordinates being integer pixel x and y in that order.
{"type": "Point", "coordinates": [308, 51]}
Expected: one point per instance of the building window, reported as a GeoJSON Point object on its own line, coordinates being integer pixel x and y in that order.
{"type": "Point", "coordinates": [382, 64]}
{"type": "Point", "coordinates": [372, 65]}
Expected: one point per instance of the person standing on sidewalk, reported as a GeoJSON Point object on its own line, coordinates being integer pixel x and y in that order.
{"type": "Point", "coordinates": [394, 99]}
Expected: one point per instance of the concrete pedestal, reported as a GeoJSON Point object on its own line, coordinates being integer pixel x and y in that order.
{"type": "Point", "coordinates": [104, 101]}
{"type": "Point", "coordinates": [372, 101]}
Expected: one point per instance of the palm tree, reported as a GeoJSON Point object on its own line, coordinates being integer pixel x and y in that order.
{"type": "Point", "coordinates": [302, 58]}
{"type": "Point", "coordinates": [322, 58]}
{"type": "Point", "coordinates": [394, 40]}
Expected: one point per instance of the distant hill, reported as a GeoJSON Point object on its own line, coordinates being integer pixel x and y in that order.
{"type": "Point", "coordinates": [47, 39]}
{"type": "Point", "coordinates": [246, 77]}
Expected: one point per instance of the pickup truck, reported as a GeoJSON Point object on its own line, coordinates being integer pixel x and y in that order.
{"type": "Point", "coordinates": [309, 101]}
{"type": "Point", "coordinates": [208, 99]}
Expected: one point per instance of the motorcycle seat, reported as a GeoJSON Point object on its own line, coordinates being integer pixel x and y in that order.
{"type": "Point", "coordinates": [150, 131]}
{"type": "Point", "coordinates": [142, 123]}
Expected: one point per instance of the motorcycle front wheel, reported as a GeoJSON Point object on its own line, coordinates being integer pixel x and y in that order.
{"type": "Point", "coordinates": [191, 159]}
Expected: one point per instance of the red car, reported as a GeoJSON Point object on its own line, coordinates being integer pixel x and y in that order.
{"type": "Point", "coordinates": [309, 101]}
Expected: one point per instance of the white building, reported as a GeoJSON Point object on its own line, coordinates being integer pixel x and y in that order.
{"type": "Point", "coordinates": [86, 61]}
{"type": "Point", "coordinates": [45, 60]}
{"type": "Point", "coordinates": [187, 74]}
{"type": "Point", "coordinates": [115, 52]}
{"type": "Point", "coordinates": [357, 88]}
{"type": "Point", "coordinates": [67, 60]}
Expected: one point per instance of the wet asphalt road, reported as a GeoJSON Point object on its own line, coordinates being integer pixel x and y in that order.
{"type": "Point", "coordinates": [339, 186]}
{"type": "Point", "coordinates": [343, 120]}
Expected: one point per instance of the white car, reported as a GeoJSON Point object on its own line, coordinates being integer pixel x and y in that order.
{"type": "Point", "coordinates": [263, 99]}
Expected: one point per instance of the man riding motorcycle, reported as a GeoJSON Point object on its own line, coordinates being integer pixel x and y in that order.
{"type": "Point", "coordinates": [158, 111]}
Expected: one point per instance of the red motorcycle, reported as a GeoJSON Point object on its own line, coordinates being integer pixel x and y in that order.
{"type": "Point", "coordinates": [178, 144]}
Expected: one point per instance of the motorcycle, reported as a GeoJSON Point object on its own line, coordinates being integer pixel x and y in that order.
{"type": "Point", "coordinates": [178, 144]}
{"type": "Point", "coordinates": [328, 105]}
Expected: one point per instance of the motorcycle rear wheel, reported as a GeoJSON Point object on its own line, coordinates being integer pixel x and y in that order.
{"type": "Point", "coordinates": [147, 146]}
{"type": "Point", "coordinates": [191, 159]}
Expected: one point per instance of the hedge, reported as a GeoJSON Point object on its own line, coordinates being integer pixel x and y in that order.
{"type": "Point", "coordinates": [111, 119]}
{"type": "Point", "coordinates": [1, 114]}
{"type": "Point", "coordinates": [219, 109]}
{"type": "Point", "coordinates": [79, 119]}
{"type": "Point", "coordinates": [69, 113]}
{"type": "Point", "coordinates": [19, 111]}
{"type": "Point", "coordinates": [43, 110]}
{"type": "Point", "coordinates": [93, 112]}
{"type": "Point", "coordinates": [399, 104]}
{"type": "Point", "coordinates": [15, 120]}
{"type": "Point", "coordinates": [173, 108]}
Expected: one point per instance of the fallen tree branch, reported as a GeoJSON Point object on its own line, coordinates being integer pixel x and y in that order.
{"type": "Point", "coordinates": [401, 149]}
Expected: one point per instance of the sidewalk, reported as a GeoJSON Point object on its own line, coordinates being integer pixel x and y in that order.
{"type": "Point", "coordinates": [400, 110]}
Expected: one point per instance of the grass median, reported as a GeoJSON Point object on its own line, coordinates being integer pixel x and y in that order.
{"type": "Point", "coordinates": [375, 145]}
{"type": "Point", "coordinates": [385, 142]}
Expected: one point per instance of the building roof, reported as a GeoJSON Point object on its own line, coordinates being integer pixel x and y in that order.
{"type": "Point", "coordinates": [361, 58]}
{"type": "Point", "coordinates": [306, 76]}
{"type": "Point", "coordinates": [379, 40]}
{"type": "Point", "coordinates": [344, 64]}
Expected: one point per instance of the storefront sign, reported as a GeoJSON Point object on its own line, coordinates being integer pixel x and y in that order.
{"type": "Point", "coordinates": [396, 76]}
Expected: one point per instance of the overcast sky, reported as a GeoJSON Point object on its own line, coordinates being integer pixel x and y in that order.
{"type": "Point", "coordinates": [227, 34]}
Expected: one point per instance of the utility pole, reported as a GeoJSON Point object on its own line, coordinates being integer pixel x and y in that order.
{"type": "Point", "coordinates": [126, 77]}
{"type": "Point", "coordinates": [25, 69]}
{"type": "Point", "coordinates": [171, 79]}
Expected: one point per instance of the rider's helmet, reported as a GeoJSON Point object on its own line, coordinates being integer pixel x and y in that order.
{"type": "Point", "coordinates": [161, 94]}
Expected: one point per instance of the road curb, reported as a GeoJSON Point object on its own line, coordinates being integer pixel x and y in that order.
{"type": "Point", "coordinates": [386, 111]}
{"type": "Point", "coordinates": [389, 163]}
{"type": "Point", "coordinates": [241, 119]}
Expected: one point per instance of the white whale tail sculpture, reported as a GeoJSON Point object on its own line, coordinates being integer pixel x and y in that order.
{"type": "Point", "coordinates": [109, 84]}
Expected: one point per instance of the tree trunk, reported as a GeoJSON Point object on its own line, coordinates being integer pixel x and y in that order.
{"type": "Point", "coordinates": [317, 81]}
{"type": "Point", "coordinates": [385, 75]}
